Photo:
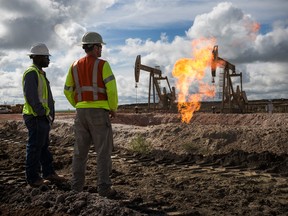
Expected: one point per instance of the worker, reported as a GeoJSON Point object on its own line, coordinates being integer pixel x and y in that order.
{"type": "Point", "coordinates": [91, 88]}
{"type": "Point", "coordinates": [38, 114]}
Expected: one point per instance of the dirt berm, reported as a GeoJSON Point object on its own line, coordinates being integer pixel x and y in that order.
{"type": "Point", "coordinates": [219, 164]}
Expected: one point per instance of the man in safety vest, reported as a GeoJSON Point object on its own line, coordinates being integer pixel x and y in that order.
{"type": "Point", "coordinates": [91, 88]}
{"type": "Point", "coordinates": [38, 114]}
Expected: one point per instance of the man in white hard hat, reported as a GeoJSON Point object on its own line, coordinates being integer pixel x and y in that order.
{"type": "Point", "coordinates": [91, 88]}
{"type": "Point", "coordinates": [38, 114]}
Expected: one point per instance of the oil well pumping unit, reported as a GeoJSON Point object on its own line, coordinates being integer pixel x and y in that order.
{"type": "Point", "coordinates": [234, 100]}
{"type": "Point", "coordinates": [166, 97]}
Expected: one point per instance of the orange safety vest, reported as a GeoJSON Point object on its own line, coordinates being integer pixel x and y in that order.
{"type": "Point", "coordinates": [88, 79]}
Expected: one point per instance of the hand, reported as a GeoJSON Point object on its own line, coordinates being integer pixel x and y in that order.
{"type": "Point", "coordinates": [112, 114]}
{"type": "Point", "coordinates": [50, 119]}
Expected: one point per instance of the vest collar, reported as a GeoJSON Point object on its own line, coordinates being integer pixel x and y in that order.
{"type": "Point", "coordinates": [40, 70]}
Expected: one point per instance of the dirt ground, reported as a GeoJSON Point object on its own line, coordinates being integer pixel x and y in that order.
{"type": "Point", "coordinates": [219, 164]}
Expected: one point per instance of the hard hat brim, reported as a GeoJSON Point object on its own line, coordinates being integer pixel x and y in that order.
{"type": "Point", "coordinates": [92, 43]}
{"type": "Point", "coordinates": [35, 54]}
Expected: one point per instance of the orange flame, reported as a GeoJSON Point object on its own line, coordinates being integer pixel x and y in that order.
{"type": "Point", "coordinates": [190, 70]}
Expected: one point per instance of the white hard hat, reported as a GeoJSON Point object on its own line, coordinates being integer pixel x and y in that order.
{"type": "Point", "coordinates": [39, 49]}
{"type": "Point", "coordinates": [92, 38]}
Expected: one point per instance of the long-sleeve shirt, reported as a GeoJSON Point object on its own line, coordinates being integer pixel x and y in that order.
{"type": "Point", "coordinates": [111, 89]}
{"type": "Point", "coordinates": [31, 94]}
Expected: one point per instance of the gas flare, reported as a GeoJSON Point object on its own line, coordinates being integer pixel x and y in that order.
{"type": "Point", "coordinates": [188, 71]}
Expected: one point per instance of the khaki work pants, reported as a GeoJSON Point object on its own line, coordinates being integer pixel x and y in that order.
{"type": "Point", "coordinates": [92, 126]}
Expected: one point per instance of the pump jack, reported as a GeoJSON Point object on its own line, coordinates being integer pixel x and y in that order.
{"type": "Point", "coordinates": [234, 101]}
{"type": "Point", "coordinates": [166, 99]}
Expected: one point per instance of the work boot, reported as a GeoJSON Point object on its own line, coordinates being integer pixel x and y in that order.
{"type": "Point", "coordinates": [106, 191]}
{"type": "Point", "coordinates": [39, 182]}
{"type": "Point", "coordinates": [56, 178]}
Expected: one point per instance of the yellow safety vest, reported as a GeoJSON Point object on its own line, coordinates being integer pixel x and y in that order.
{"type": "Point", "coordinates": [42, 92]}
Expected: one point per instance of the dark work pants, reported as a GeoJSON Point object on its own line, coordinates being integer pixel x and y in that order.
{"type": "Point", "coordinates": [38, 157]}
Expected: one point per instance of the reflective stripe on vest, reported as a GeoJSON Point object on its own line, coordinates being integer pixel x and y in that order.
{"type": "Point", "coordinates": [43, 99]}
{"type": "Point", "coordinates": [95, 89]}
{"type": "Point", "coordinates": [108, 79]}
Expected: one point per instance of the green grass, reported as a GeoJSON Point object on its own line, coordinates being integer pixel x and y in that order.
{"type": "Point", "coordinates": [190, 147]}
{"type": "Point", "coordinates": [140, 145]}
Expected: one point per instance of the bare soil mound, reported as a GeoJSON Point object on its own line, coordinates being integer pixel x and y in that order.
{"type": "Point", "coordinates": [219, 164]}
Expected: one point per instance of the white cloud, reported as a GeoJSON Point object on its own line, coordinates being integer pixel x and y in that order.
{"type": "Point", "coordinates": [267, 80]}
{"type": "Point", "coordinates": [69, 32]}
{"type": "Point", "coordinates": [273, 46]}
{"type": "Point", "coordinates": [234, 31]}
{"type": "Point", "coordinates": [10, 88]}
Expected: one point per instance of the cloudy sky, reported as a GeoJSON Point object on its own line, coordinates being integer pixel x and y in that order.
{"type": "Point", "coordinates": [253, 35]}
